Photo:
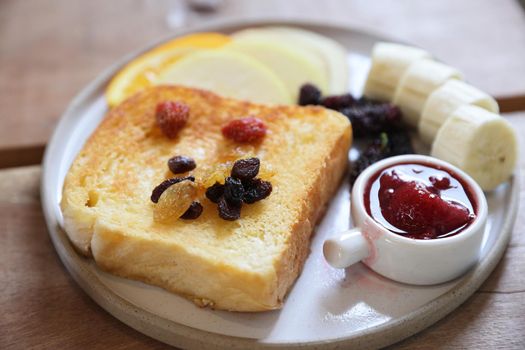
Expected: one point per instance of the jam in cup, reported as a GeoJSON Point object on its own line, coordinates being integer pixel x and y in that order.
{"type": "Point", "coordinates": [418, 220]}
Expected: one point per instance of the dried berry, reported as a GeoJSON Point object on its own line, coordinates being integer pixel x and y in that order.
{"type": "Point", "coordinates": [229, 211]}
{"type": "Point", "coordinates": [171, 117]}
{"type": "Point", "coordinates": [233, 190]}
{"type": "Point", "coordinates": [309, 94]}
{"type": "Point", "coordinates": [215, 192]}
{"type": "Point", "coordinates": [338, 102]}
{"type": "Point", "coordinates": [181, 164]}
{"type": "Point", "coordinates": [245, 169]}
{"type": "Point", "coordinates": [245, 130]}
{"type": "Point", "coordinates": [256, 190]}
{"type": "Point", "coordinates": [193, 212]}
{"type": "Point", "coordinates": [175, 201]}
{"type": "Point", "coordinates": [157, 191]}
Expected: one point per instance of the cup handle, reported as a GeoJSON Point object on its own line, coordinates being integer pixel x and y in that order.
{"type": "Point", "coordinates": [346, 249]}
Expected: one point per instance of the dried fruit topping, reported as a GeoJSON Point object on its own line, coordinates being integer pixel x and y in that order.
{"type": "Point", "coordinates": [215, 192]}
{"type": "Point", "coordinates": [256, 190]}
{"type": "Point", "coordinates": [245, 130]}
{"type": "Point", "coordinates": [233, 190]}
{"type": "Point", "coordinates": [157, 191]}
{"type": "Point", "coordinates": [193, 212]}
{"type": "Point", "coordinates": [245, 169]}
{"type": "Point", "coordinates": [171, 117]}
{"type": "Point", "coordinates": [229, 211]}
{"type": "Point", "coordinates": [181, 164]}
{"type": "Point", "coordinates": [175, 201]}
{"type": "Point", "coordinates": [338, 102]}
{"type": "Point", "coordinates": [309, 95]}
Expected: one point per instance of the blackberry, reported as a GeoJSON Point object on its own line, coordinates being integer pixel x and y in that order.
{"type": "Point", "coordinates": [245, 169]}
{"type": "Point", "coordinates": [215, 192]}
{"type": "Point", "coordinates": [399, 143]}
{"type": "Point", "coordinates": [157, 191]}
{"type": "Point", "coordinates": [193, 212]}
{"type": "Point", "coordinates": [338, 102]}
{"type": "Point", "coordinates": [181, 164]}
{"type": "Point", "coordinates": [309, 94]}
{"type": "Point", "coordinates": [229, 211]}
{"type": "Point", "coordinates": [371, 119]}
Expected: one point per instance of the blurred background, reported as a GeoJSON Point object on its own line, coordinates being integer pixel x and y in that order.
{"type": "Point", "coordinates": [50, 49]}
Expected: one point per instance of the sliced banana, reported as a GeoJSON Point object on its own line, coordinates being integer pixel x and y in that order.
{"type": "Point", "coordinates": [481, 143]}
{"type": "Point", "coordinates": [419, 81]}
{"type": "Point", "coordinates": [389, 62]}
{"type": "Point", "coordinates": [445, 100]}
{"type": "Point", "coordinates": [294, 66]}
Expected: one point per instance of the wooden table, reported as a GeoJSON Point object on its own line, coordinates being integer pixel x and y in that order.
{"type": "Point", "coordinates": [49, 49]}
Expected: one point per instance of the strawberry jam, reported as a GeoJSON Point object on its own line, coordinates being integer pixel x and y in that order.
{"type": "Point", "coordinates": [420, 201]}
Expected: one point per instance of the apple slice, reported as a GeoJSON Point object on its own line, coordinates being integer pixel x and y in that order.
{"type": "Point", "coordinates": [228, 73]}
{"type": "Point", "coordinates": [332, 54]}
{"type": "Point", "coordinates": [294, 65]}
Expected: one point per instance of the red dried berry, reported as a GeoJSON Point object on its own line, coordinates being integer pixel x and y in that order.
{"type": "Point", "coordinates": [171, 117]}
{"type": "Point", "coordinates": [245, 130]}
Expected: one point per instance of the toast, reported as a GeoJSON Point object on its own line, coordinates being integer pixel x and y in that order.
{"type": "Point", "coordinates": [243, 265]}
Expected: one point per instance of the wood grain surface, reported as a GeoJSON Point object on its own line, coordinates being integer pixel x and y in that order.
{"type": "Point", "coordinates": [49, 49]}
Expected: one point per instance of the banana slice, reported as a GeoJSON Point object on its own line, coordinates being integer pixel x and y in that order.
{"type": "Point", "coordinates": [445, 100]}
{"type": "Point", "coordinates": [333, 55]}
{"type": "Point", "coordinates": [481, 143]}
{"type": "Point", "coordinates": [419, 81]}
{"type": "Point", "coordinates": [389, 62]}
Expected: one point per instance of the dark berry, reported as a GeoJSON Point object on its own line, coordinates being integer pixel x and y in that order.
{"type": "Point", "coordinates": [157, 191]}
{"type": "Point", "coordinates": [171, 117]}
{"type": "Point", "coordinates": [338, 102]}
{"type": "Point", "coordinates": [181, 164]}
{"type": "Point", "coordinates": [215, 192]}
{"type": "Point", "coordinates": [371, 119]}
{"type": "Point", "coordinates": [245, 169]}
{"type": "Point", "coordinates": [309, 95]}
{"type": "Point", "coordinates": [245, 130]}
{"type": "Point", "coordinates": [233, 190]}
{"type": "Point", "coordinates": [229, 211]}
{"type": "Point", "coordinates": [193, 212]}
{"type": "Point", "coordinates": [399, 143]}
{"type": "Point", "coordinates": [256, 190]}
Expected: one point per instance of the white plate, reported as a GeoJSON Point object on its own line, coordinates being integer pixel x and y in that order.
{"type": "Point", "coordinates": [326, 308]}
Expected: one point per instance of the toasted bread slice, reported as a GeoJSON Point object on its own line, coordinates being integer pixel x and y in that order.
{"type": "Point", "coordinates": [245, 265]}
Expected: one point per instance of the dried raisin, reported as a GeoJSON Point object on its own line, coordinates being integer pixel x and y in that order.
{"type": "Point", "coordinates": [256, 190]}
{"type": "Point", "coordinates": [215, 192]}
{"type": "Point", "coordinates": [157, 191]}
{"type": "Point", "coordinates": [181, 164]}
{"type": "Point", "coordinates": [193, 212]}
{"type": "Point", "coordinates": [229, 211]}
{"type": "Point", "coordinates": [233, 190]}
{"type": "Point", "coordinates": [245, 169]}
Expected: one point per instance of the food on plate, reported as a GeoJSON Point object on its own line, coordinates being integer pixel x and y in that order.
{"type": "Point", "coordinates": [417, 83]}
{"type": "Point", "coordinates": [389, 63]}
{"type": "Point", "coordinates": [480, 142]}
{"type": "Point", "coordinates": [144, 70]}
{"type": "Point", "coordinates": [445, 100]}
{"type": "Point", "coordinates": [333, 55]}
{"type": "Point", "coordinates": [230, 74]}
{"type": "Point", "coordinates": [420, 201]}
{"type": "Point", "coordinates": [185, 242]}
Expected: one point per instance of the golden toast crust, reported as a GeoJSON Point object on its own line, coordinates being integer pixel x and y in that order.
{"type": "Point", "coordinates": [246, 265]}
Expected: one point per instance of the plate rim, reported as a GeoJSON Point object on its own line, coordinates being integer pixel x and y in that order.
{"type": "Point", "coordinates": [180, 335]}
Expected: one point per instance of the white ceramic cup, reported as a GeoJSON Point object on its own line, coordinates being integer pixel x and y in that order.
{"type": "Point", "coordinates": [407, 260]}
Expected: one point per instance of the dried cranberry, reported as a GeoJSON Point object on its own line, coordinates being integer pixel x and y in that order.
{"type": "Point", "coordinates": [215, 192]}
{"type": "Point", "coordinates": [193, 212]}
{"type": "Point", "coordinates": [338, 102]}
{"type": "Point", "coordinates": [157, 191]}
{"type": "Point", "coordinates": [309, 95]}
{"type": "Point", "coordinates": [181, 164]}
{"type": "Point", "coordinates": [256, 190]}
{"type": "Point", "coordinates": [233, 190]}
{"type": "Point", "coordinates": [171, 117]}
{"type": "Point", "coordinates": [245, 169]}
{"type": "Point", "coordinates": [245, 130]}
{"type": "Point", "coordinates": [229, 211]}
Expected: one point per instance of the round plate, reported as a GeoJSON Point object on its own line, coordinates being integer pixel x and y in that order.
{"type": "Point", "coordinates": [326, 308]}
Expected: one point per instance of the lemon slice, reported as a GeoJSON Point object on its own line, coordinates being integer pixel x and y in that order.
{"type": "Point", "coordinates": [143, 71]}
{"type": "Point", "coordinates": [228, 73]}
